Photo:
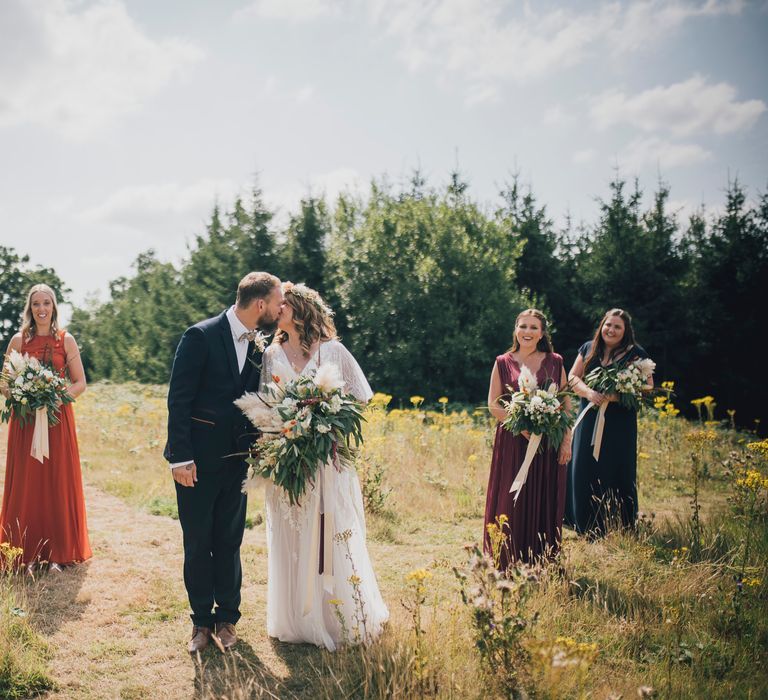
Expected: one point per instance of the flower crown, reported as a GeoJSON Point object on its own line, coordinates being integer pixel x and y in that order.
{"type": "Point", "coordinates": [308, 295]}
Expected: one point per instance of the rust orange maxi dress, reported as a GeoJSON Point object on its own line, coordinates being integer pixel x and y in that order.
{"type": "Point", "coordinates": [43, 506]}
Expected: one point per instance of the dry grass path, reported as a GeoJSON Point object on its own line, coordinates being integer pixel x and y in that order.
{"type": "Point", "coordinates": [117, 626]}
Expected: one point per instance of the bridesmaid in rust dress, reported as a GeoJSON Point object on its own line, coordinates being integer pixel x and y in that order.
{"type": "Point", "coordinates": [43, 508]}
{"type": "Point", "coordinates": [535, 521]}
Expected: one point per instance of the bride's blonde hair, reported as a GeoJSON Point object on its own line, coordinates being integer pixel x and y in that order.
{"type": "Point", "coordinates": [312, 317]}
{"type": "Point", "coordinates": [28, 327]}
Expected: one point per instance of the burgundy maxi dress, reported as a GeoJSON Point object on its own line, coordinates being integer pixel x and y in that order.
{"type": "Point", "coordinates": [536, 520]}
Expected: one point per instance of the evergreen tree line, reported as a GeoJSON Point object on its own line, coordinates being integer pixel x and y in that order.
{"type": "Point", "coordinates": [426, 283]}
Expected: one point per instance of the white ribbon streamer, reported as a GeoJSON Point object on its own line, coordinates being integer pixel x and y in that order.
{"type": "Point", "coordinates": [39, 449]}
{"type": "Point", "coordinates": [325, 505]}
{"type": "Point", "coordinates": [597, 433]}
{"type": "Point", "coordinates": [533, 444]}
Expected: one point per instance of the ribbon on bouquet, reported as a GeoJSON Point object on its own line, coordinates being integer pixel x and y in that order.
{"type": "Point", "coordinates": [323, 526]}
{"type": "Point", "coordinates": [597, 431]}
{"type": "Point", "coordinates": [39, 449]}
{"type": "Point", "coordinates": [533, 445]}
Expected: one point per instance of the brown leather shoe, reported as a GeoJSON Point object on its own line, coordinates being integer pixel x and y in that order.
{"type": "Point", "coordinates": [225, 636]}
{"type": "Point", "coordinates": [200, 638]}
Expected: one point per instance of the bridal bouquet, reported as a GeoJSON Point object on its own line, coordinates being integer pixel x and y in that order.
{"type": "Point", "coordinates": [627, 382]}
{"type": "Point", "coordinates": [34, 387]}
{"type": "Point", "coordinates": [541, 412]}
{"type": "Point", "coordinates": [303, 423]}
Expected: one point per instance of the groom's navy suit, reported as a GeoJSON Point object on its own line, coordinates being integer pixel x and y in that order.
{"type": "Point", "coordinates": [205, 426]}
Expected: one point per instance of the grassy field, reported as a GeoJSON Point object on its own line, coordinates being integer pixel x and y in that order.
{"type": "Point", "coordinates": [677, 609]}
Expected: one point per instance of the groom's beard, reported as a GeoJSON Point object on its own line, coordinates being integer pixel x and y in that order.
{"type": "Point", "coordinates": [267, 324]}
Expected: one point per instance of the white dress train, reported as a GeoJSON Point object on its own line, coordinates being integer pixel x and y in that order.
{"type": "Point", "coordinates": [304, 605]}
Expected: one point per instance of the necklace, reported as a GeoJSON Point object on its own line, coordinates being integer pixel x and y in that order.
{"type": "Point", "coordinates": [291, 354]}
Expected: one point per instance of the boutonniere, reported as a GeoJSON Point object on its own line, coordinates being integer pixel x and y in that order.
{"type": "Point", "coordinates": [260, 342]}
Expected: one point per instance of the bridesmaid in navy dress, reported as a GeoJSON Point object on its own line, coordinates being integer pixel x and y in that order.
{"type": "Point", "coordinates": [535, 521]}
{"type": "Point", "coordinates": [605, 491]}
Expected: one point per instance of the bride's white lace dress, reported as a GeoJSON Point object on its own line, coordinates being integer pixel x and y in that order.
{"type": "Point", "coordinates": [304, 605]}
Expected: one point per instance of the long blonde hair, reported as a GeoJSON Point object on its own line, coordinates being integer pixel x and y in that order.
{"type": "Point", "coordinates": [312, 317]}
{"type": "Point", "coordinates": [28, 326]}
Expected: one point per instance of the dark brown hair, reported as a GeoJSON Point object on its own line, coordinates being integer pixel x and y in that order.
{"type": "Point", "coordinates": [598, 344]}
{"type": "Point", "coordinates": [545, 342]}
{"type": "Point", "coordinates": [255, 285]}
{"type": "Point", "coordinates": [312, 317]}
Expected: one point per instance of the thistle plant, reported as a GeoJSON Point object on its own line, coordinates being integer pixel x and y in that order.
{"type": "Point", "coordinates": [698, 439]}
{"type": "Point", "coordinates": [563, 662]}
{"type": "Point", "coordinates": [417, 581]}
{"type": "Point", "coordinates": [497, 603]}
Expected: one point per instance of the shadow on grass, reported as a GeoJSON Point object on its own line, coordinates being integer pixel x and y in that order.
{"type": "Point", "coordinates": [615, 601]}
{"type": "Point", "coordinates": [241, 674]}
{"type": "Point", "coordinates": [55, 599]}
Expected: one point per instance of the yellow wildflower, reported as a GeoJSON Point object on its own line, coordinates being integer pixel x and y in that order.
{"type": "Point", "coordinates": [643, 455]}
{"type": "Point", "coordinates": [417, 401]}
{"type": "Point", "coordinates": [443, 399]}
{"type": "Point", "coordinates": [418, 575]}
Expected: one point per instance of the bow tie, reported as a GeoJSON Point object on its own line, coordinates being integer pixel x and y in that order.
{"type": "Point", "coordinates": [250, 336]}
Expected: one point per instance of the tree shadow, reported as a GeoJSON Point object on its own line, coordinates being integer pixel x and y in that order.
{"type": "Point", "coordinates": [241, 674]}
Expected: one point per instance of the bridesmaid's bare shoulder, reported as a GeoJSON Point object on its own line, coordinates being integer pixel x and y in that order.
{"type": "Point", "coordinates": [15, 343]}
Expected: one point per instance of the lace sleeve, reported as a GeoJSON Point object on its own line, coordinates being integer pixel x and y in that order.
{"type": "Point", "coordinates": [266, 367]}
{"type": "Point", "coordinates": [356, 383]}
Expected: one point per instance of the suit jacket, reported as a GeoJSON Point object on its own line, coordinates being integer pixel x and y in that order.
{"type": "Point", "coordinates": [204, 425]}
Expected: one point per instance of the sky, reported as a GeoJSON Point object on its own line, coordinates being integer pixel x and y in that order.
{"type": "Point", "coordinates": [122, 122]}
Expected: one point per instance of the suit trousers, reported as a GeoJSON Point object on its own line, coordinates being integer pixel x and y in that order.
{"type": "Point", "coordinates": [212, 516]}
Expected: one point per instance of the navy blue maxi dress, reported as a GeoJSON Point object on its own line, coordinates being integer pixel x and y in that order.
{"type": "Point", "coordinates": [603, 493]}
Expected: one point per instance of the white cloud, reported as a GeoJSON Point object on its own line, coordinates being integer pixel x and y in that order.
{"type": "Point", "coordinates": [557, 116]}
{"type": "Point", "coordinates": [645, 20]}
{"type": "Point", "coordinates": [662, 154]}
{"type": "Point", "coordinates": [76, 67]}
{"type": "Point", "coordinates": [586, 155]}
{"type": "Point", "coordinates": [692, 106]}
{"type": "Point", "coordinates": [158, 206]}
{"type": "Point", "coordinates": [486, 42]}
{"type": "Point", "coordinates": [292, 10]}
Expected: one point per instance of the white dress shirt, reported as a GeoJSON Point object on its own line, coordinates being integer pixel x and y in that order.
{"type": "Point", "coordinates": [241, 350]}
{"type": "Point", "coordinates": [241, 346]}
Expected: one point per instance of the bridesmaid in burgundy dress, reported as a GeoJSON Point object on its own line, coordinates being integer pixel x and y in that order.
{"type": "Point", "coordinates": [535, 521]}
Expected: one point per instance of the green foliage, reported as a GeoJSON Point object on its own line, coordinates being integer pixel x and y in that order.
{"type": "Point", "coordinates": [427, 284]}
{"type": "Point", "coordinates": [304, 253]}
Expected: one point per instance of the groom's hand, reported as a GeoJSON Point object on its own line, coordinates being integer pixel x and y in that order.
{"type": "Point", "coordinates": [186, 475]}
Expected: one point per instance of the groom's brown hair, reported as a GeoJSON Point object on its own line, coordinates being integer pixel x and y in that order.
{"type": "Point", "coordinates": [255, 285]}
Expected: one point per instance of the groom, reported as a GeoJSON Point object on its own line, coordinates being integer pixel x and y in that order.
{"type": "Point", "coordinates": [215, 363]}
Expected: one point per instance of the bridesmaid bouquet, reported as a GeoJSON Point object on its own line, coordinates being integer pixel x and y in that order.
{"type": "Point", "coordinates": [541, 412]}
{"type": "Point", "coordinates": [627, 382]}
{"type": "Point", "coordinates": [538, 411]}
{"type": "Point", "coordinates": [304, 423]}
{"type": "Point", "coordinates": [34, 388]}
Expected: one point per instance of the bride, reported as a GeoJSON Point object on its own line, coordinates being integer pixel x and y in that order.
{"type": "Point", "coordinates": [304, 602]}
